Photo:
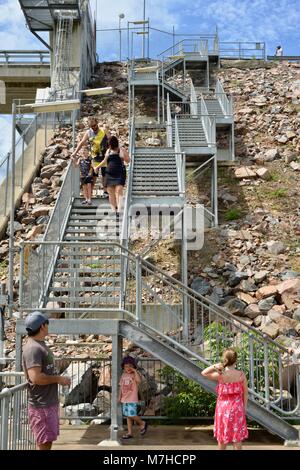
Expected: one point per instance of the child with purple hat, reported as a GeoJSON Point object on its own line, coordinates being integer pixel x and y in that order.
{"type": "Point", "coordinates": [128, 396]}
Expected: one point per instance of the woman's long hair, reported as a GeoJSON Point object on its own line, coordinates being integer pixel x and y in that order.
{"type": "Point", "coordinates": [229, 357]}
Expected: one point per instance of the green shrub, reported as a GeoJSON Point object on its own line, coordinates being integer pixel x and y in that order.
{"type": "Point", "coordinates": [233, 214]}
{"type": "Point", "coordinates": [188, 398]}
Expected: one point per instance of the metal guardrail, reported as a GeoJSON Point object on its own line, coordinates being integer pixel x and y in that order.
{"type": "Point", "coordinates": [169, 123]}
{"type": "Point", "coordinates": [242, 50]}
{"type": "Point", "coordinates": [180, 161]}
{"type": "Point", "coordinates": [77, 275]}
{"type": "Point", "coordinates": [39, 273]}
{"type": "Point", "coordinates": [89, 397]}
{"type": "Point", "coordinates": [126, 211]}
{"type": "Point", "coordinates": [198, 328]}
{"type": "Point", "coordinates": [289, 58]}
{"type": "Point", "coordinates": [28, 136]}
{"type": "Point", "coordinates": [46, 122]}
{"type": "Point", "coordinates": [25, 58]}
{"type": "Point", "coordinates": [203, 330]}
{"type": "Point", "coordinates": [15, 433]}
{"type": "Point", "coordinates": [202, 45]}
{"type": "Point", "coordinates": [224, 100]}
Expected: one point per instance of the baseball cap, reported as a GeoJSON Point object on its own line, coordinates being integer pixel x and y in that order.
{"type": "Point", "coordinates": [129, 360]}
{"type": "Point", "coordinates": [35, 320]}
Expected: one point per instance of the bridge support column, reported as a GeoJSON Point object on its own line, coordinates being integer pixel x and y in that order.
{"type": "Point", "coordinates": [116, 415]}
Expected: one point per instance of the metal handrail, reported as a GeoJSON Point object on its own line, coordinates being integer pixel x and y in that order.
{"type": "Point", "coordinates": [39, 57]}
{"type": "Point", "coordinates": [179, 46]}
{"type": "Point", "coordinates": [126, 212]}
{"type": "Point", "coordinates": [202, 329]}
{"type": "Point", "coordinates": [243, 50]}
{"type": "Point", "coordinates": [179, 160]}
{"type": "Point", "coordinates": [193, 100]}
{"type": "Point", "coordinates": [223, 99]}
{"type": "Point", "coordinates": [15, 432]}
{"type": "Point", "coordinates": [169, 124]}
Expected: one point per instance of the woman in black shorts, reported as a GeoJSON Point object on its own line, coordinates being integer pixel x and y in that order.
{"type": "Point", "coordinates": [115, 160]}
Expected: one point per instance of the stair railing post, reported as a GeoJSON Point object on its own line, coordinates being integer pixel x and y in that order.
{"type": "Point", "coordinates": [7, 185]}
{"type": "Point", "coordinates": [251, 358]}
{"type": "Point", "coordinates": [12, 212]}
{"type": "Point", "coordinates": [116, 367]}
{"type": "Point", "coordinates": [138, 277]}
{"type": "Point", "coordinates": [266, 373]}
{"type": "Point", "coordinates": [184, 277]}
{"type": "Point", "coordinates": [4, 423]}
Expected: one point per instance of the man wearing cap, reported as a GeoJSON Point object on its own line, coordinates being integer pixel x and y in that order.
{"type": "Point", "coordinates": [38, 364]}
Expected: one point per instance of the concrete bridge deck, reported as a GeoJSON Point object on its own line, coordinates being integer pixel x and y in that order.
{"type": "Point", "coordinates": [21, 82]}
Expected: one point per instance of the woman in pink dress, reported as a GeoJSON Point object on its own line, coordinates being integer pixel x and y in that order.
{"type": "Point", "coordinates": [232, 391]}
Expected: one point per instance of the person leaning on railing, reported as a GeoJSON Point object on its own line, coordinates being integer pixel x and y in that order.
{"type": "Point", "coordinates": [38, 365]}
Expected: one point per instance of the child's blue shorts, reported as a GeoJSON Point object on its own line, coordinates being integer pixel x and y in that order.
{"type": "Point", "coordinates": [130, 409]}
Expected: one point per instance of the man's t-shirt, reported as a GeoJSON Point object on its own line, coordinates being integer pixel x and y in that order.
{"type": "Point", "coordinates": [129, 388]}
{"type": "Point", "coordinates": [37, 354]}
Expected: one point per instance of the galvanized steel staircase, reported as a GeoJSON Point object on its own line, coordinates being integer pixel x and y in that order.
{"type": "Point", "coordinates": [213, 107]}
{"type": "Point", "coordinates": [93, 222]}
{"type": "Point", "coordinates": [87, 275]}
{"type": "Point", "coordinates": [154, 172]}
{"type": "Point", "coordinates": [191, 132]}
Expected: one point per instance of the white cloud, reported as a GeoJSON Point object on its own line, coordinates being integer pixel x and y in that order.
{"type": "Point", "coordinates": [251, 20]}
{"type": "Point", "coordinates": [13, 31]}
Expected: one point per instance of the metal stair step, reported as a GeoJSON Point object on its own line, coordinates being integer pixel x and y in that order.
{"type": "Point", "coordinates": [155, 193]}
{"type": "Point", "coordinates": [86, 217]}
{"type": "Point", "coordinates": [90, 258]}
{"type": "Point", "coordinates": [84, 300]}
{"type": "Point", "coordinates": [93, 289]}
{"type": "Point", "coordinates": [90, 239]}
{"type": "Point", "coordinates": [83, 223]}
{"type": "Point", "coordinates": [79, 271]}
{"type": "Point", "coordinates": [77, 281]}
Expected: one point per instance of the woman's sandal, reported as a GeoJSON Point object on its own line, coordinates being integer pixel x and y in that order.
{"type": "Point", "coordinates": [127, 436]}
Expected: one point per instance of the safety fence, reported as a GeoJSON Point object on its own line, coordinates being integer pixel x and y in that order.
{"type": "Point", "coordinates": [20, 57]}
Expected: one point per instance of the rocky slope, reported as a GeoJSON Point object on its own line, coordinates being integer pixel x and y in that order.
{"type": "Point", "coordinates": [251, 264]}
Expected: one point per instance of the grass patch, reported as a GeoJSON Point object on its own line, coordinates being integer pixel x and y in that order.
{"type": "Point", "coordinates": [233, 214]}
{"type": "Point", "coordinates": [274, 176]}
{"type": "Point", "coordinates": [280, 192]}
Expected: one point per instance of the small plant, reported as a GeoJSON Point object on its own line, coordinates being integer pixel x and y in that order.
{"type": "Point", "coordinates": [3, 264]}
{"type": "Point", "coordinates": [188, 398]}
{"type": "Point", "coordinates": [274, 176]}
{"type": "Point", "coordinates": [233, 214]}
{"type": "Point", "coordinates": [280, 192]}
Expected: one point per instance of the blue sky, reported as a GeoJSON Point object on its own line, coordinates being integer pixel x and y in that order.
{"type": "Point", "coordinates": [274, 22]}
